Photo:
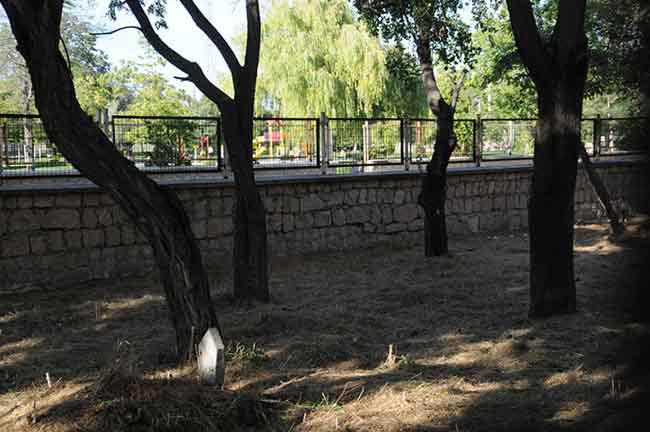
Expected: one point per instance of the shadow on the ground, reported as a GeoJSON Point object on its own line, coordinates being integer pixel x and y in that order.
{"type": "Point", "coordinates": [459, 324]}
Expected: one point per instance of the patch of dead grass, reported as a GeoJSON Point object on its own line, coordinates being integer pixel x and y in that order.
{"type": "Point", "coordinates": [314, 359]}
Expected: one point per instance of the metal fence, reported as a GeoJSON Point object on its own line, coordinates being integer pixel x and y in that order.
{"type": "Point", "coordinates": [178, 144]}
{"type": "Point", "coordinates": [286, 143]}
{"type": "Point", "coordinates": [421, 137]}
{"type": "Point", "coordinates": [25, 148]}
{"type": "Point", "coordinates": [169, 143]}
{"type": "Point", "coordinates": [621, 135]}
{"type": "Point", "coordinates": [507, 139]}
{"type": "Point", "coordinates": [363, 142]}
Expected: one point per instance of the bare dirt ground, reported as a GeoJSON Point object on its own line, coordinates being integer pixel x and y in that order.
{"type": "Point", "coordinates": [315, 359]}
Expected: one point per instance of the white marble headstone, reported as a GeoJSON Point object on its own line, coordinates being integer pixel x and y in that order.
{"type": "Point", "coordinates": [211, 357]}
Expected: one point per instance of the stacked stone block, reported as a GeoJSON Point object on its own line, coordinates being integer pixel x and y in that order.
{"type": "Point", "coordinates": [51, 238]}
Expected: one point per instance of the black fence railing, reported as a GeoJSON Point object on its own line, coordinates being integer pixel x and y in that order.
{"type": "Point", "coordinates": [421, 136]}
{"type": "Point", "coordinates": [169, 143]}
{"type": "Point", "coordinates": [621, 135]}
{"type": "Point", "coordinates": [195, 144]}
{"type": "Point", "coordinates": [286, 143]}
{"type": "Point", "coordinates": [363, 142]}
{"type": "Point", "coordinates": [25, 148]}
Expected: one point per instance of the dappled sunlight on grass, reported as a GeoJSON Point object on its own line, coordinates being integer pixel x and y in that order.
{"type": "Point", "coordinates": [23, 344]}
{"type": "Point", "coordinates": [316, 358]}
{"type": "Point", "coordinates": [602, 247]}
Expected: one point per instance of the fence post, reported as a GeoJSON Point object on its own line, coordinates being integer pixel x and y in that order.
{"type": "Point", "coordinates": [29, 137]}
{"type": "Point", "coordinates": [4, 143]}
{"type": "Point", "coordinates": [217, 145]}
{"type": "Point", "coordinates": [406, 144]}
{"type": "Point", "coordinates": [226, 158]}
{"type": "Point", "coordinates": [478, 140]}
{"type": "Point", "coordinates": [105, 122]}
{"type": "Point", "coordinates": [113, 131]}
{"type": "Point", "coordinates": [325, 134]}
{"type": "Point", "coordinates": [597, 133]}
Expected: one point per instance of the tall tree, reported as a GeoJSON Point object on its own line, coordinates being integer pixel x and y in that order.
{"type": "Point", "coordinates": [157, 212]}
{"type": "Point", "coordinates": [559, 70]}
{"type": "Point", "coordinates": [250, 252]}
{"type": "Point", "coordinates": [332, 63]}
{"type": "Point", "coordinates": [433, 26]}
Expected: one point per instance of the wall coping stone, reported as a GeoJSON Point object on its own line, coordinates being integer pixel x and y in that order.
{"type": "Point", "coordinates": [219, 181]}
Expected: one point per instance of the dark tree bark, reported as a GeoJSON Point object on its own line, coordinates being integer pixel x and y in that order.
{"type": "Point", "coordinates": [433, 194]}
{"type": "Point", "coordinates": [250, 251]}
{"type": "Point", "coordinates": [250, 260]}
{"type": "Point", "coordinates": [157, 212]}
{"type": "Point", "coordinates": [559, 72]}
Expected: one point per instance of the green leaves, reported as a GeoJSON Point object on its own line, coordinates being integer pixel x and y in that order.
{"type": "Point", "coordinates": [155, 8]}
{"type": "Point", "coordinates": [316, 57]}
{"type": "Point", "coordinates": [438, 21]}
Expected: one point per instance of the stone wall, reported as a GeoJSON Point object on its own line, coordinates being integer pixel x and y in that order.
{"type": "Point", "coordinates": [62, 235]}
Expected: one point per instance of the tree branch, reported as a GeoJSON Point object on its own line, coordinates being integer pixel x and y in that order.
{"type": "Point", "coordinates": [253, 36]}
{"type": "Point", "coordinates": [67, 55]}
{"type": "Point", "coordinates": [529, 42]}
{"type": "Point", "coordinates": [192, 69]}
{"type": "Point", "coordinates": [116, 30]}
{"type": "Point", "coordinates": [569, 28]}
{"type": "Point", "coordinates": [213, 34]}
{"type": "Point", "coordinates": [431, 89]}
{"type": "Point", "coordinates": [458, 88]}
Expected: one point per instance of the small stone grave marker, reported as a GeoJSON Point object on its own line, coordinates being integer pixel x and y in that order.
{"type": "Point", "coordinates": [211, 358]}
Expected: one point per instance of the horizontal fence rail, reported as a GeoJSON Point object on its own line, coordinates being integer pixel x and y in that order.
{"type": "Point", "coordinates": [195, 144]}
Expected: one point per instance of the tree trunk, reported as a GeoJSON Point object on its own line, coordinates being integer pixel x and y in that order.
{"type": "Point", "coordinates": [559, 71]}
{"type": "Point", "coordinates": [250, 249]}
{"type": "Point", "coordinates": [433, 193]}
{"type": "Point", "coordinates": [551, 204]}
{"type": "Point", "coordinates": [157, 212]}
{"type": "Point", "coordinates": [597, 184]}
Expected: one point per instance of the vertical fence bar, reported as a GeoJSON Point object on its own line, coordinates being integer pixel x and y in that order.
{"type": "Point", "coordinates": [105, 121]}
{"type": "Point", "coordinates": [474, 140]}
{"type": "Point", "coordinates": [325, 140]}
{"type": "Point", "coordinates": [32, 147]}
{"type": "Point", "coordinates": [4, 144]}
{"type": "Point", "coordinates": [113, 131]}
{"type": "Point", "coordinates": [318, 141]}
{"type": "Point", "coordinates": [403, 137]}
{"type": "Point", "coordinates": [596, 137]}
{"type": "Point", "coordinates": [226, 158]}
{"type": "Point", "coordinates": [478, 141]}
{"type": "Point", "coordinates": [218, 144]}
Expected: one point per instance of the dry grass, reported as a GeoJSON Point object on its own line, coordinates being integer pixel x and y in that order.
{"type": "Point", "coordinates": [466, 357]}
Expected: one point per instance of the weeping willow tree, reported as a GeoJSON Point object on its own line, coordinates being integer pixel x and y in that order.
{"type": "Point", "coordinates": [316, 57]}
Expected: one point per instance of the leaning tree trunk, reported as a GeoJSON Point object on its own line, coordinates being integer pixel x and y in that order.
{"type": "Point", "coordinates": [433, 195]}
{"type": "Point", "coordinates": [615, 222]}
{"type": "Point", "coordinates": [156, 212]}
{"type": "Point", "coordinates": [250, 249]}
